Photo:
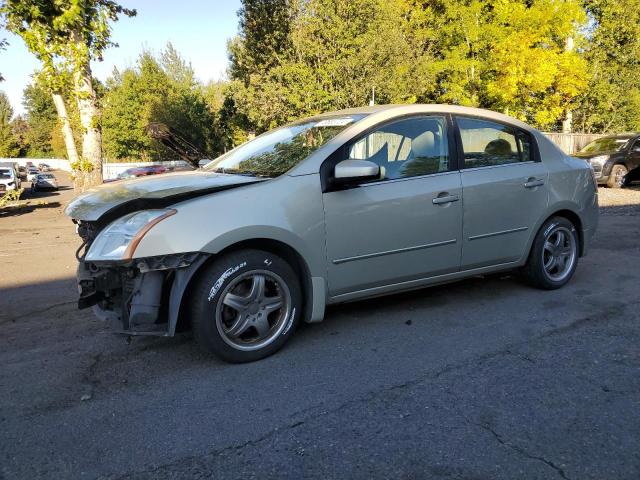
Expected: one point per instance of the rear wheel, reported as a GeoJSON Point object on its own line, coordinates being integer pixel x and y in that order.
{"type": "Point", "coordinates": [617, 177]}
{"type": "Point", "coordinates": [246, 306]}
{"type": "Point", "coordinates": [554, 255]}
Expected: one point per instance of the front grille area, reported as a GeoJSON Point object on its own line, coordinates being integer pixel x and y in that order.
{"type": "Point", "coordinates": [597, 169]}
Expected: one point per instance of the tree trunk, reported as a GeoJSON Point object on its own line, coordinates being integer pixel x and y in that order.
{"type": "Point", "coordinates": [567, 122]}
{"type": "Point", "coordinates": [89, 120]}
{"type": "Point", "coordinates": [67, 133]}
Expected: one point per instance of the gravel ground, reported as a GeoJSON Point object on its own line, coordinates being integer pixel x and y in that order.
{"type": "Point", "coordinates": [619, 201]}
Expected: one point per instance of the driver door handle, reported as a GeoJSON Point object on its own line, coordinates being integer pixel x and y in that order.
{"type": "Point", "coordinates": [445, 199]}
{"type": "Point", "coordinates": [533, 182]}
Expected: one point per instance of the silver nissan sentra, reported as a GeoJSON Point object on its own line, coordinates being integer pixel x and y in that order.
{"type": "Point", "coordinates": [333, 208]}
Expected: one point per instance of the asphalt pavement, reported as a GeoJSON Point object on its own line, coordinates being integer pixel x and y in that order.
{"type": "Point", "coordinates": [482, 379]}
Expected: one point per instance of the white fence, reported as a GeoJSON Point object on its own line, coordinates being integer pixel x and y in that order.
{"type": "Point", "coordinates": [55, 163]}
{"type": "Point", "coordinates": [111, 170]}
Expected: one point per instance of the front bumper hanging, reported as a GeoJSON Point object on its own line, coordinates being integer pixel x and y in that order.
{"type": "Point", "coordinates": [143, 295]}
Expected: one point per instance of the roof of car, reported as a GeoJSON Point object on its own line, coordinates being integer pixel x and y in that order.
{"type": "Point", "coordinates": [400, 109]}
{"type": "Point", "coordinates": [624, 135]}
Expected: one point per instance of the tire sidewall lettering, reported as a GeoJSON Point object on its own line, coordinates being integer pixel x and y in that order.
{"type": "Point", "coordinates": [225, 275]}
{"type": "Point", "coordinates": [289, 322]}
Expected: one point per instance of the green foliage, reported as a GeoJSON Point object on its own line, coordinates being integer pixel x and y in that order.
{"type": "Point", "coordinates": [265, 27]}
{"type": "Point", "coordinates": [41, 118]}
{"type": "Point", "coordinates": [9, 146]}
{"type": "Point", "coordinates": [20, 129]}
{"type": "Point", "coordinates": [3, 46]}
{"type": "Point", "coordinates": [63, 34]}
{"type": "Point", "coordinates": [154, 91]}
{"type": "Point", "coordinates": [10, 196]}
{"type": "Point", "coordinates": [611, 102]}
{"type": "Point", "coordinates": [506, 55]}
{"type": "Point", "coordinates": [43, 135]}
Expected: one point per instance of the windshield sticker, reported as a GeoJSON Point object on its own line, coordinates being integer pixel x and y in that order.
{"type": "Point", "coordinates": [335, 122]}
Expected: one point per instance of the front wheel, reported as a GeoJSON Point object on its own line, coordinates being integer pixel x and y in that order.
{"type": "Point", "coordinates": [618, 175]}
{"type": "Point", "coordinates": [554, 255]}
{"type": "Point", "coordinates": [246, 305]}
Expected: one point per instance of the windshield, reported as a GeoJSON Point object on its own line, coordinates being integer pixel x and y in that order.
{"type": "Point", "coordinates": [5, 173]}
{"type": "Point", "coordinates": [277, 151]}
{"type": "Point", "coordinates": [606, 144]}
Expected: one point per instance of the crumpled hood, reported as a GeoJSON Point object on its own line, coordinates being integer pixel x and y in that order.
{"type": "Point", "coordinates": [155, 191]}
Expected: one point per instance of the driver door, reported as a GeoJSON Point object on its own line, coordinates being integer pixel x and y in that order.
{"type": "Point", "coordinates": [405, 226]}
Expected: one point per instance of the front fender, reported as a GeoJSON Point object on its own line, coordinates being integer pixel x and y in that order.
{"type": "Point", "coordinates": [285, 209]}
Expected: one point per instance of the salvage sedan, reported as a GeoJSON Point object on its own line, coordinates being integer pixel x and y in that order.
{"type": "Point", "coordinates": [334, 208]}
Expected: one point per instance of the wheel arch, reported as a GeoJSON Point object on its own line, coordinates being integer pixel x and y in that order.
{"type": "Point", "coordinates": [565, 212]}
{"type": "Point", "coordinates": [277, 247]}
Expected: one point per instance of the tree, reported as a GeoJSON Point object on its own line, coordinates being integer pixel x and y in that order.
{"type": "Point", "coordinates": [9, 146]}
{"type": "Point", "coordinates": [20, 129]}
{"type": "Point", "coordinates": [507, 55]}
{"type": "Point", "coordinates": [65, 36]}
{"type": "Point", "coordinates": [3, 45]}
{"type": "Point", "coordinates": [611, 102]}
{"type": "Point", "coordinates": [330, 55]}
{"type": "Point", "coordinates": [265, 28]}
{"type": "Point", "coordinates": [155, 91]}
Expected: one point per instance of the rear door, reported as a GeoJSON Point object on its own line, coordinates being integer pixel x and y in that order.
{"type": "Point", "coordinates": [505, 189]}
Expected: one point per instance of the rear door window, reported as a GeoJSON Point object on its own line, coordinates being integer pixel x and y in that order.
{"type": "Point", "coordinates": [486, 143]}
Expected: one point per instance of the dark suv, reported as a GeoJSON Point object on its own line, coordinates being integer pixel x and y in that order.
{"type": "Point", "coordinates": [615, 159]}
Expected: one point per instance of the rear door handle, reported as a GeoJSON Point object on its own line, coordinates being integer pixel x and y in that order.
{"type": "Point", "coordinates": [533, 182]}
{"type": "Point", "coordinates": [445, 199]}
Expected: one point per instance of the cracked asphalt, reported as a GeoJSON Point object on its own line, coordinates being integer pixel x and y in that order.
{"type": "Point", "coordinates": [482, 379]}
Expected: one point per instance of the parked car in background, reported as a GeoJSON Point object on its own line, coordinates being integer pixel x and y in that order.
{"type": "Point", "coordinates": [334, 208]}
{"type": "Point", "coordinates": [615, 159]}
{"type": "Point", "coordinates": [32, 172]}
{"type": "Point", "coordinates": [9, 180]}
{"type": "Point", "coordinates": [16, 171]}
{"type": "Point", "coordinates": [22, 172]}
{"type": "Point", "coordinates": [135, 172]}
{"type": "Point", "coordinates": [43, 167]}
{"type": "Point", "coordinates": [44, 181]}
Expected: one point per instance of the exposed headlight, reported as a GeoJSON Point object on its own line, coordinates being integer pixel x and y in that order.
{"type": "Point", "coordinates": [119, 239]}
{"type": "Point", "coordinates": [600, 159]}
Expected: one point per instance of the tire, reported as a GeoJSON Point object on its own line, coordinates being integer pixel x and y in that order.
{"type": "Point", "coordinates": [617, 176]}
{"type": "Point", "coordinates": [239, 317]}
{"type": "Point", "coordinates": [556, 239]}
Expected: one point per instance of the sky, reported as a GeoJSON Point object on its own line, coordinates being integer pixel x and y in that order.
{"type": "Point", "coordinates": [198, 29]}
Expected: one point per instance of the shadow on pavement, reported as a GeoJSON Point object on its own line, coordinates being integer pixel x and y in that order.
{"type": "Point", "coordinates": [18, 210]}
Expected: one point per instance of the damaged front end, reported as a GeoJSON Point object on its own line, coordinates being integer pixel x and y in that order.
{"type": "Point", "coordinates": [143, 295]}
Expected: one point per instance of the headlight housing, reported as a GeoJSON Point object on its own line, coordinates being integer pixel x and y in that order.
{"type": "Point", "coordinates": [599, 160]}
{"type": "Point", "coordinates": [120, 238]}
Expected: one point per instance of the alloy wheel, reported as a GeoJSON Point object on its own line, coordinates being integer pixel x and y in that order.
{"type": "Point", "coordinates": [619, 177]}
{"type": "Point", "coordinates": [253, 310]}
{"type": "Point", "coordinates": [559, 253]}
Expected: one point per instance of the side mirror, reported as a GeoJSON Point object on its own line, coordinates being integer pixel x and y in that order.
{"type": "Point", "coordinates": [348, 171]}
